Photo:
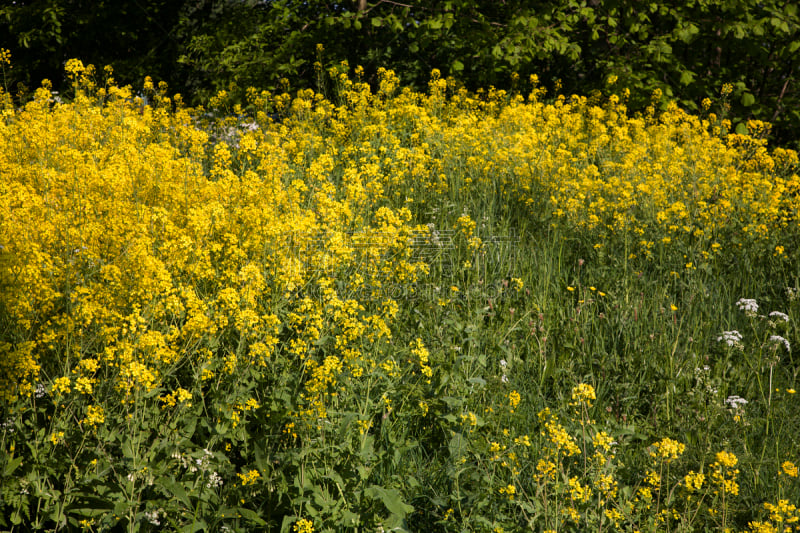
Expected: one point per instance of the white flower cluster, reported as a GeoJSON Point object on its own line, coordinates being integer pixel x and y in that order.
{"type": "Point", "coordinates": [152, 517]}
{"type": "Point", "coordinates": [735, 402]}
{"type": "Point", "coordinates": [780, 340]}
{"type": "Point", "coordinates": [202, 462]}
{"type": "Point", "coordinates": [702, 377]}
{"type": "Point", "coordinates": [503, 366]}
{"type": "Point", "coordinates": [748, 305]}
{"type": "Point", "coordinates": [778, 314]}
{"type": "Point", "coordinates": [731, 338]}
{"type": "Point", "coordinates": [214, 481]}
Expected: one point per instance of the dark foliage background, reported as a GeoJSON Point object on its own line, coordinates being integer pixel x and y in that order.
{"type": "Point", "coordinates": [687, 49]}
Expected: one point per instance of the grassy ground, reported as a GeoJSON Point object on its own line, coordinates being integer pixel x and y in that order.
{"type": "Point", "coordinates": [394, 311]}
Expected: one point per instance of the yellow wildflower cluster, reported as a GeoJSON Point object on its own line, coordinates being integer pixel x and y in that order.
{"type": "Point", "coordinates": [563, 444]}
{"type": "Point", "coordinates": [94, 416]}
{"type": "Point", "coordinates": [249, 477]}
{"type": "Point", "coordinates": [667, 450]}
{"type": "Point", "coordinates": [303, 526]}
{"type": "Point", "coordinates": [788, 468]}
{"type": "Point", "coordinates": [724, 473]}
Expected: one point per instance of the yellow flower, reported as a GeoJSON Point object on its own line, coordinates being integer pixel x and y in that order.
{"type": "Point", "coordinates": [514, 399]}
{"type": "Point", "coordinates": [509, 490]}
{"type": "Point", "coordinates": [667, 450]}
{"type": "Point", "coordinates": [789, 468]}
{"type": "Point", "coordinates": [726, 459]}
{"type": "Point", "coordinates": [61, 385]}
{"type": "Point", "coordinates": [583, 392]}
{"type": "Point", "coordinates": [303, 526]}
{"type": "Point", "coordinates": [603, 440]}
{"type": "Point", "coordinates": [56, 437]}
{"type": "Point", "coordinates": [249, 477]}
{"type": "Point", "coordinates": [94, 415]}
{"type": "Point", "coordinates": [694, 481]}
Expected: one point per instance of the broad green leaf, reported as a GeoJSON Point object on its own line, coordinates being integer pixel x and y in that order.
{"type": "Point", "coordinates": [11, 466]}
{"type": "Point", "coordinates": [391, 498]}
{"type": "Point", "coordinates": [251, 516]}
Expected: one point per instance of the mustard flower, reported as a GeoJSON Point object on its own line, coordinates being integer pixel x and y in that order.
{"type": "Point", "coordinates": [94, 415]}
{"type": "Point", "coordinates": [693, 481]}
{"type": "Point", "coordinates": [583, 392]}
{"type": "Point", "coordinates": [249, 477]}
{"type": "Point", "coordinates": [789, 468]}
{"type": "Point", "coordinates": [508, 490]}
{"type": "Point", "coordinates": [514, 399]}
{"type": "Point", "coordinates": [303, 526]}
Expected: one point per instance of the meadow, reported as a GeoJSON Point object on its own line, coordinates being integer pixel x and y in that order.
{"type": "Point", "coordinates": [382, 310]}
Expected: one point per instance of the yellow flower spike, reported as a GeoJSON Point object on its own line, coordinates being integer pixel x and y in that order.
{"type": "Point", "coordinates": [514, 399]}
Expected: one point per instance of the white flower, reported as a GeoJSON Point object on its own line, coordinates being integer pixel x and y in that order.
{"type": "Point", "coordinates": [152, 517]}
{"type": "Point", "coordinates": [748, 305]}
{"type": "Point", "coordinates": [731, 338]}
{"type": "Point", "coordinates": [779, 339]}
{"type": "Point", "coordinates": [503, 363]}
{"type": "Point", "coordinates": [504, 379]}
{"type": "Point", "coordinates": [735, 401]}
{"type": "Point", "coordinates": [778, 314]}
{"type": "Point", "coordinates": [214, 480]}
{"type": "Point", "coordinates": [40, 391]}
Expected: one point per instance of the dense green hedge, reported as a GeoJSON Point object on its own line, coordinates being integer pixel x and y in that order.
{"type": "Point", "coordinates": [688, 49]}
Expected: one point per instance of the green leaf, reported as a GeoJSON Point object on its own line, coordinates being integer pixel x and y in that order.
{"type": "Point", "coordinates": [11, 466]}
{"type": "Point", "coordinates": [391, 498]}
{"type": "Point", "coordinates": [176, 489]}
{"type": "Point", "coordinates": [741, 129]}
{"type": "Point", "coordinates": [748, 99]}
{"type": "Point", "coordinates": [250, 515]}
{"type": "Point", "coordinates": [377, 22]}
{"type": "Point", "coordinates": [195, 526]}
{"type": "Point", "coordinates": [457, 446]}
{"type": "Point", "coordinates": [458, 66]}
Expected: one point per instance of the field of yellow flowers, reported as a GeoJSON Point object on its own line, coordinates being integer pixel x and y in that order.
{"type": "Point", "coordinates": [393, 311]}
